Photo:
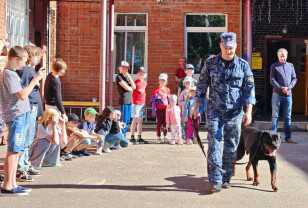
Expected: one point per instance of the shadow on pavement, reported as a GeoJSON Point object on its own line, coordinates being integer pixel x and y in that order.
{"type": "Point", "coordinates": [187, 183]}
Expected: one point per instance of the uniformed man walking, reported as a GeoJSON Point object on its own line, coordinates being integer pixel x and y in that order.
{"type": "Point", "coordinates": [231, 87]}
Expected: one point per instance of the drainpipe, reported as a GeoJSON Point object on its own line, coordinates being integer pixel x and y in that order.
{"type": "Point", "coordinates": [248, 30]}
{"type": "Point", "coordinates": [111, 49]}
{"type": "Point", "coordinates": [102, 79]}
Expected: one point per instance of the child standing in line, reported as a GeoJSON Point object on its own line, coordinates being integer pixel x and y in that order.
{"type": "Point", "coordinates": [189, 106]}
{"type": "Point", "coordinates": [15, 107]}
{"type": "Point", "coordinates": [159, 102]}
{"type": "Point", "coordinates": [88, 125]}
{"type": "Point", "coordinates": [138, 107]}
{"type": "Point", "coordinates": [173, 117]}
{"type": "Point", "coordinates": [184, 95]}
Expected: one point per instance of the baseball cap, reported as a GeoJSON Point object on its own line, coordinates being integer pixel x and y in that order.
{"type": "Point", "coordinates": [143, 70]}
{"type": "Point", "coordinates": [193, 88]}
{"type": "Point", "coordinates": [90, 111]}
{"type": "Point", "coordinates": [190, 66]}
{"type": "Point", "coordinates": [188, 79]}
{"type": "Point", "coordinates": [124, 64]}
{"type": "Point", "coordinates": [163, 76]}
{"type": "Point", "coordinates": [72, 117]}
{"type": "Point", "coordinates": [228, 39]}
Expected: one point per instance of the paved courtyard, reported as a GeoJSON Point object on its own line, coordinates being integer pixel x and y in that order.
{"type": "Point", "coordinates": [164, 176]}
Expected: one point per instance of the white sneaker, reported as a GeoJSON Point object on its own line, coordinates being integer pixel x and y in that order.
{"type": "Point", "coordinates": [189, 142]}
{"type": "Point", "coordinates": [158, 140]}
{"type": "Point", "coordinates": [172, 142]}
{"type": "Point", "coordinates": [106, 149]}
{"type": "Point", "coordinates": [180, 142]}
{"type": "Point", "coordinates": [195, 141]}
{"type": "Point", "coordinates": [99, 151]}
{"type": "Point", "coordinates": [166, 141]}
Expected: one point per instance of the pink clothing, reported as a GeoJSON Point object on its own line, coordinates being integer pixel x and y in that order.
{"type": "Point", "coordinates": [190, 127]}
{"type": "Point", "coordinates": [173, 115]}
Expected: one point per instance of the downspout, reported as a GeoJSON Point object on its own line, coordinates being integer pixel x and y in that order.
{"type": "Point", "coordinates": [102, 81]}
{"type": "Point", "coordinates": [111, 50]}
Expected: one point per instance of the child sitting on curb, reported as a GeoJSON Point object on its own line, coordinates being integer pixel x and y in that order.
{"type": "Point", "coordinates": [123, 142]}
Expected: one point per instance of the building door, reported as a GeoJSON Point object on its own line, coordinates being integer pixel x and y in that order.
{"type": "Point", "coordinates": [296, 55]}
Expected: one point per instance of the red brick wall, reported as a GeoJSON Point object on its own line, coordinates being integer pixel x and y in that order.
{"type": "Point", "coordinates": [165, 40]}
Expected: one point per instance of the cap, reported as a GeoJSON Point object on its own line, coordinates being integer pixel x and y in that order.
{"type": "Point", "coordinates": [143, 70]}
{"type": "Point", "coordinates": [188, 79]}
{"type": "Point", "coordinates": [190, 66]}
{"type": "Point", "coordinates": [193, 88]}
{"type": "Point", "coordinates": [72, 117]}
{"type": "Point", "coordinates": [90, 111]}
{"type": "Point", "coordinates": [228, 39]}
{"type": "Point", "coordinates": [173, 98]}
{"type": "Point", "coordinates": [124, 64]}
{"type": "Point", "coordinates": [117, 112]}
{"type": "Point", "coordinates": [163, 76]}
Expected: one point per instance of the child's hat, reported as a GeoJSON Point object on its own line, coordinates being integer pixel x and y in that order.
{"type": "Point", "coordinates": [117, 112]}
{"type": "Point", "coordinates": [142, 69]}
{"type": "Point", "coordinates": [72, 117]}
{"type": "Point", "coordinates": [190, 66]}
{"type": "Point", "coordinates": [193, 88]}
{"type": "Point", "coordinates": [173, 98]}
{"type": "Point", "coordinates": [124, 64]}
{"type": "Point", "coordinates": [188, 79]}
{"type": "Point", "coordinates": [163, 76]}
{"type": "Point", "coordinates": [90, 111]}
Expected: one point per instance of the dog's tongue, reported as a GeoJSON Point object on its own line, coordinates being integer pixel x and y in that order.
{"type": "Point", "coordinates": [272, 153]}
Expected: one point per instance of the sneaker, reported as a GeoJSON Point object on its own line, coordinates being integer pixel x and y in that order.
{"type": "Point", "coordinates": [85, 153]}
{"type": "Point", "coordinates": [73, 156]}
{"type": "Point", "coordinates": [142, 141]}
{"type": "Point", "coordinates": [189, 142]}
{"type": "Point", "coordinates": [180, 142]}
{"type": "Point", "coordinates": [13, 192]}
{"type": "Point", "coordinates": [33, 172]}
{"type": "Point", "coordinates": [172, 142]}
{"type": "Point", "coordinates": [134, 141]}
{"type": "Point", "coordinates": [195, 141]}
{"type": "Point", "coordinates": [99, 151]}
{"type": "Point", "coordinates": [77, 153]}
{"type": "Point", "coordinates": [46, 164]}
{"type": "Point", "coordinates": [216, 187]}
{"type": "Point", "coordinates": [116, 147]}
{"type": "Point", "coordinates": [25, 189]}
{"type": "Point", "coordinates": [290, 141]}
{"type": "Point", "coordinates": [184, 141]}
{"type": "Point", "coordinates": [106, 149]}
{"type": "Point", "coordinates": [23, 177]}
{"type": "Point", "coordinates": [158, 140]}
{"type": "Point", "coordinates": [226, 185]}
{"type": "Point", "coordinates": [1, 177]}
{"type": "Point", "coordinates": [166, 141]}
{"type": "Point", "coordinates": [66, 156]}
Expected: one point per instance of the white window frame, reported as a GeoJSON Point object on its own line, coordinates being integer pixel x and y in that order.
{"type": "Point", "coordinates": [203, 30]}
{"type": "Point", "coordinates": [17, 23]}
{"type": "Point", "coordinates": [134, 29]}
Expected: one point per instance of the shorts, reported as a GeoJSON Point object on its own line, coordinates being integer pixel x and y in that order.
{"type": "Point", "coordinates": [138, 111]}
{"type": "Point", "coordinates": [17, 130]}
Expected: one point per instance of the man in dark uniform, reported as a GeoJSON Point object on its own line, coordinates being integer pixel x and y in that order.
{"type": "Point", "coordinates": [231, 86]}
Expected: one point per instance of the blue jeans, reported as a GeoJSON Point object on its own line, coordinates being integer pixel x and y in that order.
{"type": "Point", "coordinates": [112, 139]}
{"type": "Point", "coordinates": [126, 114]}
{"type": "Point", "coordinates": [23, 162]}
{"type": "Point", "coordinates": [101, 143]}
{"type": "Point", "coordinates": [17, 130]}
{"type": "Point", "coordinates": [286, 103]}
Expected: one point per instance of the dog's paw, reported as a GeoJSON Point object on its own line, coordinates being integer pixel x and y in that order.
{"type": "Point", "coordinates": [256, 183]}
{"type": "Point", "coordinates": [249, 179]}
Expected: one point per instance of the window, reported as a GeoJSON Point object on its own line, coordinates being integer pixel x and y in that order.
{"type": "Point", "coordinates": [202, 37]}
{"type": "Point", "coordinates": [17, 22]}
{"type": "Point", "coordinates": [130, 41]}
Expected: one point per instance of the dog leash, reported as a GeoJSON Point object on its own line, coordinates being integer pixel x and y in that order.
{"type": "Point", "coordinates": [195, 125]}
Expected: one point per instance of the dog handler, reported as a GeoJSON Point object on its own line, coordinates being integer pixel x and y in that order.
{"type": "Point", "coordinates": [231, 85]}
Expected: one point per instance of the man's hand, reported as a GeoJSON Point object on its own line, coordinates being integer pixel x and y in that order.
{"type": "Point", "coordinates": [246, 119]}
{"type": "Point", "coordinates": [185, 119]}
{"type": "Point", "coordinates": [286, 90]}
{"type": "Point", "coordinates": [64, 116]}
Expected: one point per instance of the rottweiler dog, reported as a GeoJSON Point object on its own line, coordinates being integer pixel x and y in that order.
{"type": "Point", "coordinates": [260, 145]}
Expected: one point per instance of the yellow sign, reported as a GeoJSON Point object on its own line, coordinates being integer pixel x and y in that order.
{"type": "Point", "coordinates": [256, 54]}
{"type": "Point", "coordinates": [256, 62]}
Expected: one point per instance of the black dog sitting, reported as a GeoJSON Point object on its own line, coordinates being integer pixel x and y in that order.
{"type": "Point", "coordinates": [260, 145]}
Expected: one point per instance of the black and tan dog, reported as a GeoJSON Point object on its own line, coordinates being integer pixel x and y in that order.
{"type": "Point", "coordinates": [260, 145]}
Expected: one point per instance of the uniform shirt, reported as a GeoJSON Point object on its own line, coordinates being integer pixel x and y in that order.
{"type": "Point", "coordinates": [125, 97]}
{"type": "Point", "coordinates": [282, 76]}
{"type": "Point", "coordinates": [85, 125]}
{"type": "Point", "coordinates": [173, 115]}
{"type": "Point", "coordinates": [139, 97]}
{"type": "Point", "coordinates": [53, 92]}
{"type": "Point", "coordinates": [164, 93]}
{"type": "Point", "coordinates": [230, 88]}
{"type": "Point", "coordinates": [12, 106]}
